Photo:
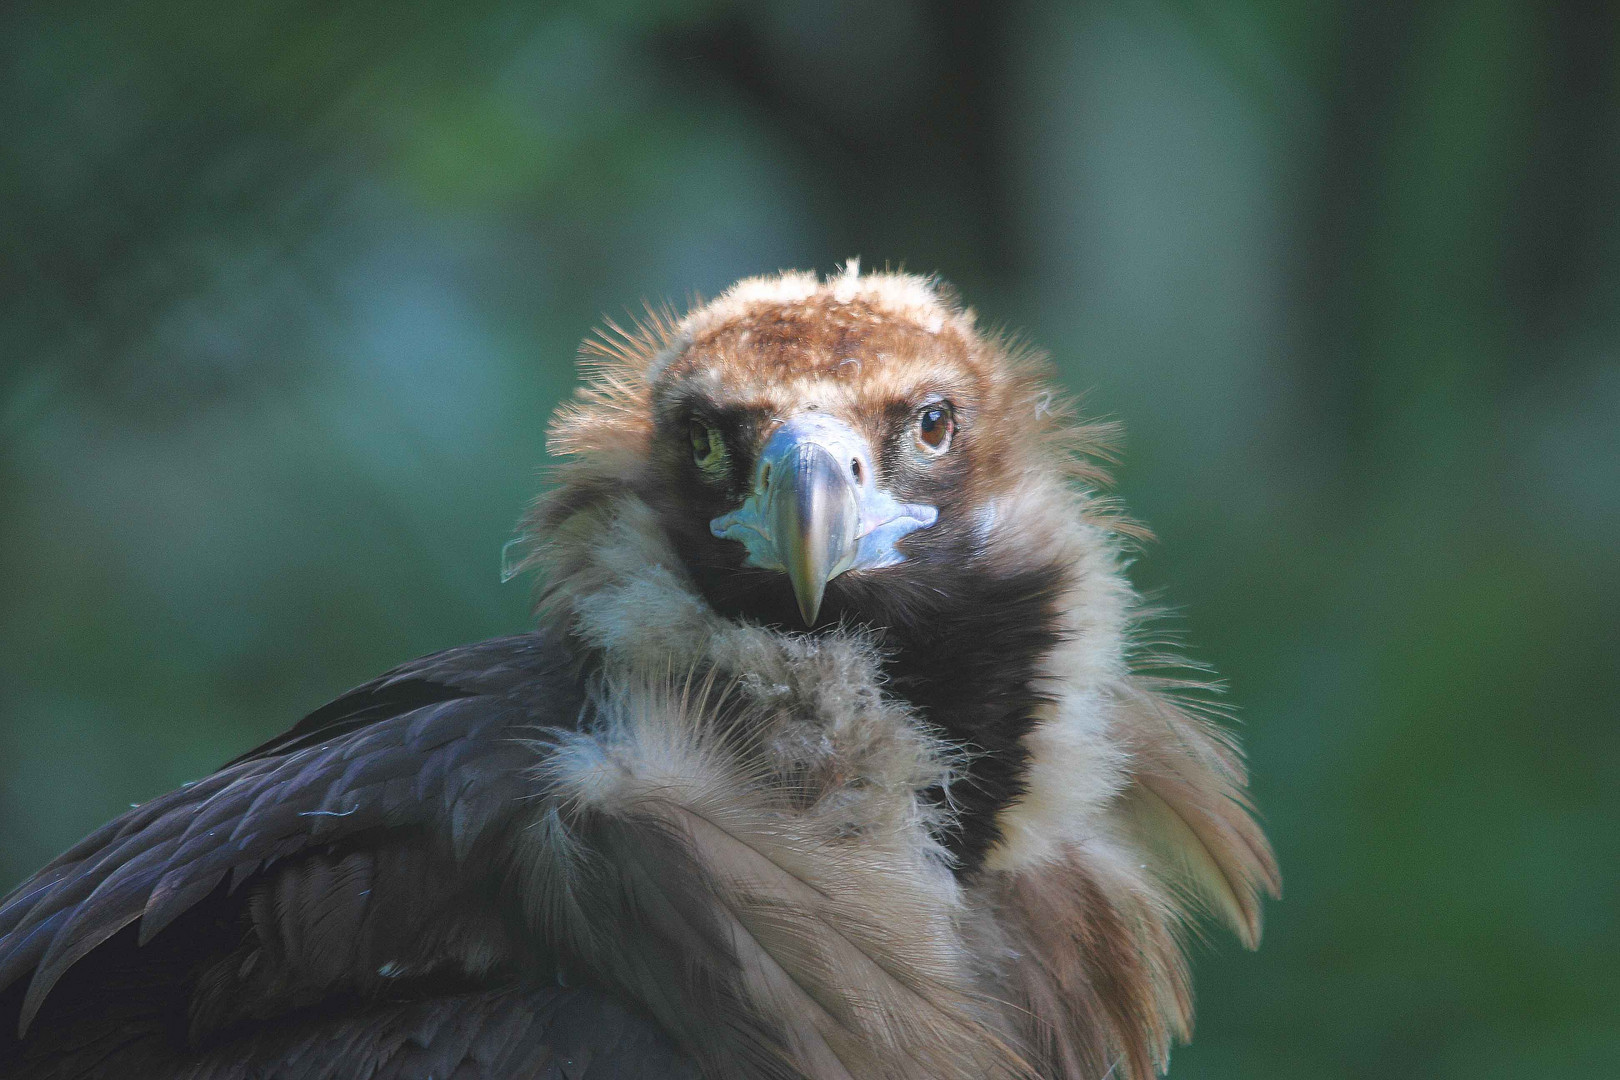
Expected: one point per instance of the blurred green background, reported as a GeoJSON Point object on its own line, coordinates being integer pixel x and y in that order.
{"type": "Point", "coordinates": [287, 291]}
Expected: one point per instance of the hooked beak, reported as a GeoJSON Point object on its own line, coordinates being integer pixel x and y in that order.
{"type": "Point", "coordinates": [816, 510]}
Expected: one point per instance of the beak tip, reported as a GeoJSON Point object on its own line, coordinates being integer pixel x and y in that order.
{"type": "Point", "coordinates": [809, 607]}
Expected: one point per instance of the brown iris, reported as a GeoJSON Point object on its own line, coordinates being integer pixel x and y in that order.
{"type": "Point", "coordinates": [936, 424]}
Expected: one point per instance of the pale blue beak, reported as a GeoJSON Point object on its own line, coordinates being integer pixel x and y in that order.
{"type": "Point", "coordinates": [816, 510]}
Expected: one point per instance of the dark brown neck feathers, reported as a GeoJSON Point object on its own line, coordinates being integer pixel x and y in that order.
{"type": "Point", "coordinates": [963, 643]}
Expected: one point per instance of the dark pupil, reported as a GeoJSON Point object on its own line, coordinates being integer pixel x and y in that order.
{"type": "Point", "coordinates": [700, 441]}
{"type": "Point", "coordinates": [931, 420]}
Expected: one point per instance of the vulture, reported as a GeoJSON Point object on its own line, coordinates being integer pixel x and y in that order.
{"type": "Point", "coordinates": [838, 750]}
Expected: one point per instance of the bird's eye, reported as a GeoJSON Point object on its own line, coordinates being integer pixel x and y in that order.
{"type": "Point", "coordinates": [708, 448]}
{"type": "Point", "coordinates": [935, 426]}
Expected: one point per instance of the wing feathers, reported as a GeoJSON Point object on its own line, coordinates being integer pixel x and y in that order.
{"type": "Point", "coordinates": [551, 1033]}
{"type": "Point", "coordinates": [1189, 810]}
{"type": "Point", "coordinates": [1097, 969]}
{"type": "Point", "coordinates": [450, 759]}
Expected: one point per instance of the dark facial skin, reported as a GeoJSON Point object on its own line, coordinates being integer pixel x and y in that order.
{"type": "Point", "coordinates": [961, 636]}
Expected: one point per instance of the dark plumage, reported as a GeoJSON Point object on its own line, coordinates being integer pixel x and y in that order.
{"type": "Point", "coordinates": [827, 760]}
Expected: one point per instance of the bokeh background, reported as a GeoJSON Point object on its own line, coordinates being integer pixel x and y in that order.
{"type": "Point", "coordinates": [288, 289]}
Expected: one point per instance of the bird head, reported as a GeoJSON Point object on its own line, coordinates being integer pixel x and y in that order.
{"type": "Point", "coordinates": [821, 452]}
